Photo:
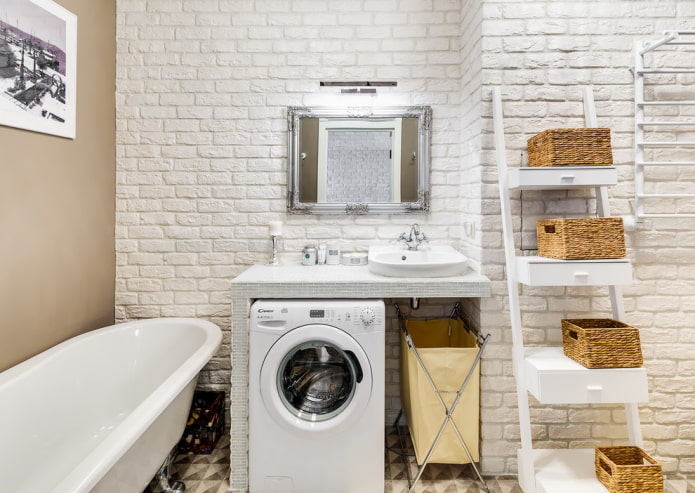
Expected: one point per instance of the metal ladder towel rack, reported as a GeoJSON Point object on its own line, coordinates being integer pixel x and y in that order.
{"type": "Point", "coordinates": [663, 149]}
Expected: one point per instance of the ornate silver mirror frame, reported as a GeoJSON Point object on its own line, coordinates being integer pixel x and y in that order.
{"type": "Point", "coordinates": [303, 198]}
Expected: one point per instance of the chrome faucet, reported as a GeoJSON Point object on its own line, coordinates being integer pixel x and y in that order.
{"type": "Point", "coordinates": [415, 239]}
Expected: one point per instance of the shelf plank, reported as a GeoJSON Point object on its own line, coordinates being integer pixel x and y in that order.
{"type": "Point", "coordinates": [542, 271]}
{"type": "Point", "coordinates": [666, 103]}
{"type": "Point", "coordinates": [566, 471]}
{"type": "Point", "coordinates": [666, 71]}
{"type": "Point", "coordinates": [561, 177]}
{"type": "Point", "coordinates": [553, 378]}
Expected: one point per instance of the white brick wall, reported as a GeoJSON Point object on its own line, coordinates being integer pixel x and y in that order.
{"type": "Point", "coordinates": [538, 52]}
{"type": "Point", "coordinates": [202, 88]}
{"type": "Point", "coordinates": [202, 94]}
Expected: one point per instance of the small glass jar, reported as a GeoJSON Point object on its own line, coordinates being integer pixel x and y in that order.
{"type": "Point", "coordinates": [309, 255]}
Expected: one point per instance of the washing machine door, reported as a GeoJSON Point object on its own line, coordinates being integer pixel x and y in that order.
{"type": "Point", "coordinates": [316, 378]}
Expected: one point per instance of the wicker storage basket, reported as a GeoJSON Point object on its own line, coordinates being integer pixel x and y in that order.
{"type": "Point", "coordinates": [575, 239]}
{"type": "Point", "coordinates": [571, 147]}
{"type": "Point", "coordinates": [601, 343]}
{"type": "Point", "coordinates": [628, 470]}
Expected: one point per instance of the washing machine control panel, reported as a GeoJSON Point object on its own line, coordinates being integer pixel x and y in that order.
{"type": "Point", "coordinates": [367, 316]}
{"type": "Point", "coordinates": [357, 315]}
{"type": "Point", "coordinates": [284, 314]}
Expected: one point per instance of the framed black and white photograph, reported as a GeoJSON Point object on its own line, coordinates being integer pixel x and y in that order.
{"type": "Point", "coordinates": [38, 76]}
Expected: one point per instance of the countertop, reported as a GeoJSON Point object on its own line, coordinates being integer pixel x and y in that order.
{"type": "Point", "coordinates": [294, 280]}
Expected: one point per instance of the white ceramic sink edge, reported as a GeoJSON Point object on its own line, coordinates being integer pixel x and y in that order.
{"type": "Point", "coordinates": [426, 261]}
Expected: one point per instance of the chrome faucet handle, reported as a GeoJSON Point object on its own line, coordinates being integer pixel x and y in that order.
{"type": "Point", "coordinates": [413, 239]}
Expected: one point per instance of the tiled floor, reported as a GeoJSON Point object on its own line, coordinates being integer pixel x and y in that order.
{"type": "Point", "coordinates": [210, 473]}
{"type": "Point", "coordinates": [202, 473]}
{"type": "Point", "coordinates": [436, 478]}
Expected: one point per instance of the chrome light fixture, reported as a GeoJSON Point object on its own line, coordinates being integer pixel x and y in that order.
{"type": "Point", "coordinates": [358, 87]}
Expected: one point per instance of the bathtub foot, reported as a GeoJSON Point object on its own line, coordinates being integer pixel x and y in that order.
{"type": "Point", "coordinates": [164, 476]}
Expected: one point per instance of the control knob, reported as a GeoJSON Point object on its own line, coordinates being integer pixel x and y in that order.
{"type": "Point", "coordinates": [367, 316]}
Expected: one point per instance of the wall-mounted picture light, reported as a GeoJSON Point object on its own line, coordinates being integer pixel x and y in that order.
{"type": "Point", "coordinates": [358, 87]}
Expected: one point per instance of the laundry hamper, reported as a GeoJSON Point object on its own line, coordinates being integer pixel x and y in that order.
{"type": "Point", "coordinates": [448, 351]}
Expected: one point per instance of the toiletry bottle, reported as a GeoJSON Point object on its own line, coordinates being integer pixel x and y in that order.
{"type": "Point", "coordinates": [321, 259]}
{"type": "Point", "coordinates": [333, 253]}
{"type": "Point", "coordinates": [309, 255]}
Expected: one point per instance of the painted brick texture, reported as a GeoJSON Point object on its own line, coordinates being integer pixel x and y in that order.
{"type": "Point", "coordinates": [540, 53]}
{"type": "Point", "coordinates": [202, 92]}
{"type": "Point", "coordinates": [202, 87]}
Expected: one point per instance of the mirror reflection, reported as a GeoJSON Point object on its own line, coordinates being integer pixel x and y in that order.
{"type": "Point", "coordinates": [372, 161]}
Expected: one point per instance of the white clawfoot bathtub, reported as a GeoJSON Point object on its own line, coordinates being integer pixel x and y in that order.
{"type": "Point", "coordinates": [100, 412]}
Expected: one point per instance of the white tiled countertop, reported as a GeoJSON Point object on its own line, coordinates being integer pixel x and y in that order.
{"type": "Point", "coordinates": [331, 281]}
{"type": "Point", "coordinates": [293, 280]}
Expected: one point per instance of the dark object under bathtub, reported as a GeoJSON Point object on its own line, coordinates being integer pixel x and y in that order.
{"type": "Point", "coordinates": [205, 423]}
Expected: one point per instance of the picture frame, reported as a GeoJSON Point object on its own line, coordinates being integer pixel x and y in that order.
{"type": "Point", "coordinates": [38, 67]}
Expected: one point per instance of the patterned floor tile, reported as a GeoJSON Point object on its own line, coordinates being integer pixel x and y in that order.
{"type": "Point", "coordinates": [201, 473]}
{"type": "Point", "coordinates": [210, 473]}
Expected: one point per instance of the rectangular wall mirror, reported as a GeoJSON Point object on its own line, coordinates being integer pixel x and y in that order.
{"type": "Point", "coordinates": [358, 160]}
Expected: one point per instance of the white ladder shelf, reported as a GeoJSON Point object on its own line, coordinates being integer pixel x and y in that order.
{"type": "Point", "coordinates": [545, 372]}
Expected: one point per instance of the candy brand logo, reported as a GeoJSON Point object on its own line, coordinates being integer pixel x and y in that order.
{"type": "Point", "coordinates": [261, 310]}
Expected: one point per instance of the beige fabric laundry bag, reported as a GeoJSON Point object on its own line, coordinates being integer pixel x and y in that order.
{"type": "Point", "coordinates": [448, 351]}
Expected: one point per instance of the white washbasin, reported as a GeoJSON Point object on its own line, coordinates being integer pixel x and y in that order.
{"type": "Point", "coordinates": [426, 261]}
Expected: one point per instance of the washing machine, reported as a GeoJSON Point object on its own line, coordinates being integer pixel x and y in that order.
{"type": "Point", "coordinates": [316, 396]}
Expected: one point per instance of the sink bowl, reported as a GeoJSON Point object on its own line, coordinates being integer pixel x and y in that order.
{"type": "Point", "coordinates": [429, 261]}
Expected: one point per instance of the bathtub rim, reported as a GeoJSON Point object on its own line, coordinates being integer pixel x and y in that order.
{"type": "Point", "coordinates": [89, 471]}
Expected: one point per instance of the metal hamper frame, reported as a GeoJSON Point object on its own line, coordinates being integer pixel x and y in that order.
{"type": "Point", "coordinates": [448, 411]}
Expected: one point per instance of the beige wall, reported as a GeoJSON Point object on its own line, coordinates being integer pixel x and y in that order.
{"type": "Point", "coordinates": [57, 212]}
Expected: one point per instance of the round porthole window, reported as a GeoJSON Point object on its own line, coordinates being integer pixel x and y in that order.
{"type": "Point", "coordinates": [317, 380]}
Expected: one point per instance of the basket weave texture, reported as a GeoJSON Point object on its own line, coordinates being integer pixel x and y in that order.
{"type": "Point", "coordinates": [571, 147]}
{"type": "Point", "coordinates": [601, 343]}
{"type": "Point", "coordinates": [575, 239]}
{"type": "Point", "coordinates": [628, 470]}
